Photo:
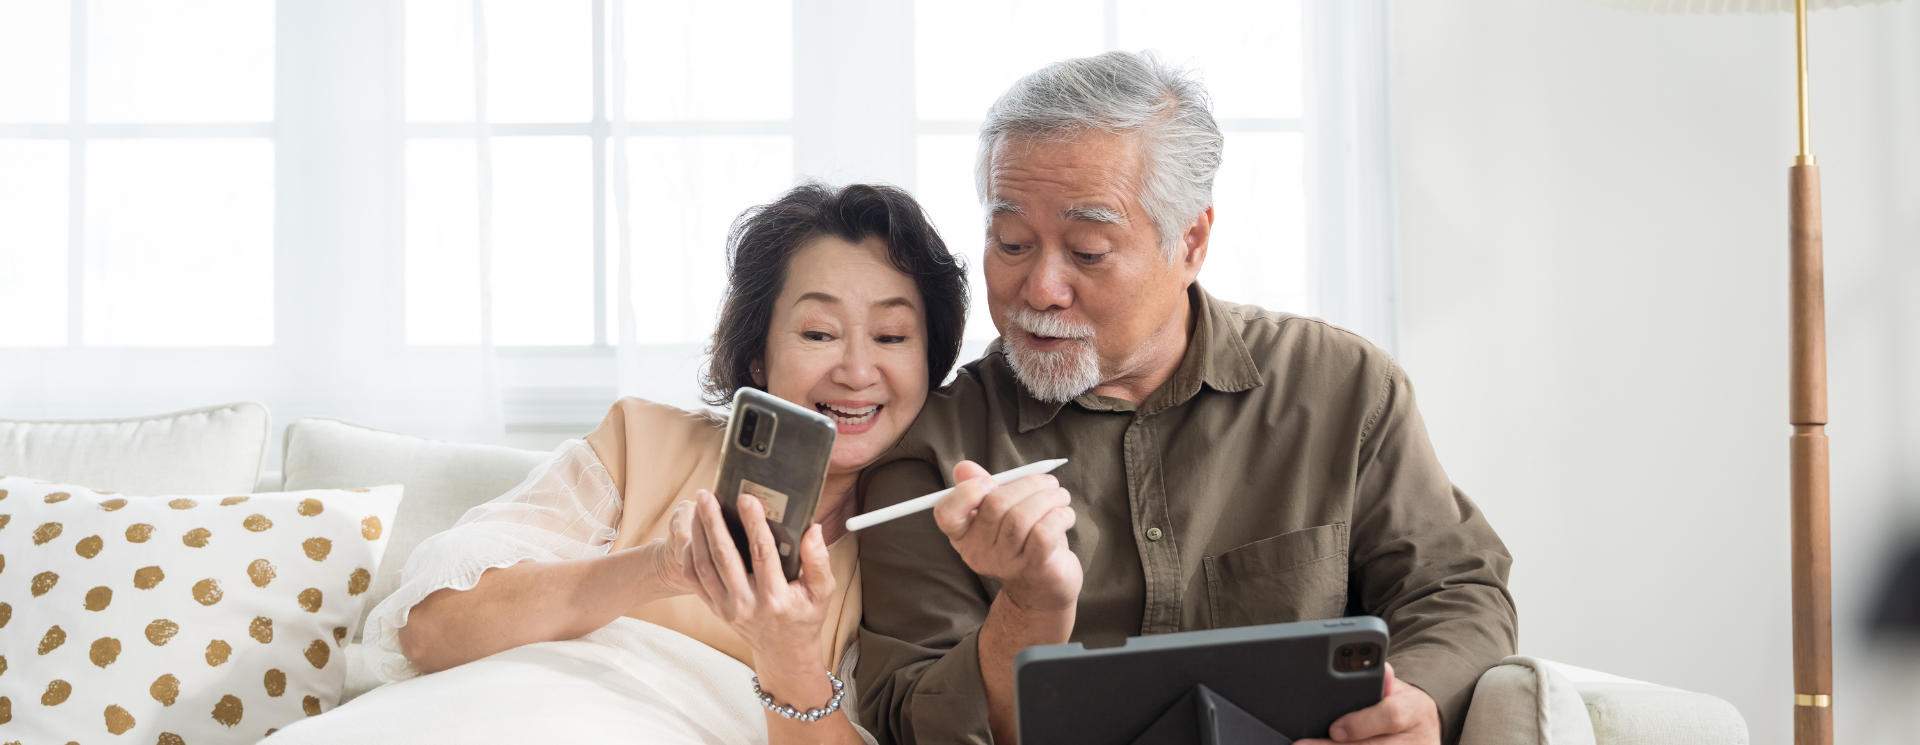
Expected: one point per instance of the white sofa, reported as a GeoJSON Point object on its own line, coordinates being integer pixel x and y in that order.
{"type": "Point", "coordinates": [221, 449]}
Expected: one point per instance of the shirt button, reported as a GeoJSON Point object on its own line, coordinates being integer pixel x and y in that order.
{"type": "Point", "coordinates": [1153, 534]}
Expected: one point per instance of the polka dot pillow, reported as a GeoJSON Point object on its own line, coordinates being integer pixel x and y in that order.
{"type": "Point", "coordinates": [180, 619]}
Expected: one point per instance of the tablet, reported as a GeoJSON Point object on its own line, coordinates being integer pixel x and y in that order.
{"type": "Point", "coordinates": [1253, 684]}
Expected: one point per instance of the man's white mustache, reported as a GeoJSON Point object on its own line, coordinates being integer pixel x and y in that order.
{"type": "Point", "coordinates": [1048, 324]}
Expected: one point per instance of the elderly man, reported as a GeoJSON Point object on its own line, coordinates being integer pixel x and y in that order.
{"type": "Point", "coordinates": [1229, 465]}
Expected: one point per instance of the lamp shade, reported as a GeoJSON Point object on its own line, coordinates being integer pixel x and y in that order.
{"type": "Point", "coordinates": [1727, 6]}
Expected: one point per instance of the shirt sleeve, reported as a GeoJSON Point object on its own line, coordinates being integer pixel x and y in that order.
{"type": "Point", "coordinates": [919, 670]}
{"type": "Point", "coordinates": [568, 508]}
{"type": "Point", "coordinates": [1426, 560]}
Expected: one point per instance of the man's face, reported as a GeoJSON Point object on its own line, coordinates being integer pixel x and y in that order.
{"type": "Point", "coordinates": [1076, 281]}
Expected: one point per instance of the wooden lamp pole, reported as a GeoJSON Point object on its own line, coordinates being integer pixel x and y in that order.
{"type": "Point", "coordinates": [1812, 526]}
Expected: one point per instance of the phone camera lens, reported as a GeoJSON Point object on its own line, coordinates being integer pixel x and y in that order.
{"type": "Point", "coordinates": [749, 422]}
{"type": "Point", "coordinates": [760, 447]}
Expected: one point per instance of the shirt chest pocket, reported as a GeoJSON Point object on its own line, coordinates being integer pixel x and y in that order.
{"type": "Point", "coordinates": [1297, 576]}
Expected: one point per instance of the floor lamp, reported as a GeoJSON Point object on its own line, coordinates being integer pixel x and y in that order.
{"type": "Point", "coordinates": [1807, 397]}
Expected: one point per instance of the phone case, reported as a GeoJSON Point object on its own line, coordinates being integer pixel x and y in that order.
{"type": "Point", "coordinates": [778, 453]}
{"type": "Point", "coordinates": [1269, 684]}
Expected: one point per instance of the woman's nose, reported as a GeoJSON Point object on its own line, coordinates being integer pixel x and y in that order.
{"type": "Point", "coordinates": [856, 370]}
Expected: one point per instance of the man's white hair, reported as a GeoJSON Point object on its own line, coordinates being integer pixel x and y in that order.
{"type": "Point", "coordinates": [1121, 93]}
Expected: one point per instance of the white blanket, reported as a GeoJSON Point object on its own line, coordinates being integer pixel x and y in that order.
{"type": "Point", "coordinates": [631, 682]}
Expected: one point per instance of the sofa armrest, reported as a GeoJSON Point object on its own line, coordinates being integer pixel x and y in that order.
{"type": "Point", "coordinates": [1632, 712]}
{"type": "Point", "coordinates": [1531, 701]}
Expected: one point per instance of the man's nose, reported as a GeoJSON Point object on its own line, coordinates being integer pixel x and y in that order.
{"type": "Point", "coordinates": [1050, 285]}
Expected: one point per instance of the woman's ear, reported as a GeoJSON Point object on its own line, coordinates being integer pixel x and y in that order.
{"type": "Point", "coordinates": [757, 369]}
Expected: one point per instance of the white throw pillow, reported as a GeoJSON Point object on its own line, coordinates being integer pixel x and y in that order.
{"type": "Point", "coordinates": [1525, 701]}
{"type": "Point", "coordinates": [215, 450]}
{"type": "Point", "coordinates": [178, 619]}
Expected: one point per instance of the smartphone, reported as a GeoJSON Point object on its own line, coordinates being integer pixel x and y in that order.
{"type": "Point", "coordinates": [776, 452]}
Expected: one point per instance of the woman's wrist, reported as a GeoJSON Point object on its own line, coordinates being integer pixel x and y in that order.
{"type": "Point", "coordinates": [802, 685]}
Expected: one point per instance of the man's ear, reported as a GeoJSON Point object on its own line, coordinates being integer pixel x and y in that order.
{"type": "Point", "coordinates": [1193, 245]}
{"type": "Point", "coordinates": [758, 370]}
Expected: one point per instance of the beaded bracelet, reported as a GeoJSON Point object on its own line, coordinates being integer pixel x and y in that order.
{"type": "Point", "coordinates": [811, 715]}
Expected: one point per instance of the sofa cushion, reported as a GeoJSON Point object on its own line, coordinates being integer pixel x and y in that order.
{"type": "Point", "coordinates": [215, 450]}
{"type": "Point", "coordinates": [142, 615]}
{"type": "Point", "coordinates": [443, 479]}
{"type": "Point", "coordinates": [1525, 701]}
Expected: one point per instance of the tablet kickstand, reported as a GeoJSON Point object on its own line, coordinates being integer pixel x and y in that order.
{"type": "Point", "coordinates": [1202, 716]}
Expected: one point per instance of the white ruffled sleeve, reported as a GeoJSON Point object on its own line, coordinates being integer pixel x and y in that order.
{"type": "Point", "coordinates": [566, 509]}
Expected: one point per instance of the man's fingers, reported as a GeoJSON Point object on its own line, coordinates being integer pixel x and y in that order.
{"type": "Point", "coordinates": [1020, 520]}
{"type": "Point", "coordinates": [1392, 715]}
{"type": "Point", "coordinates": [816, 567]}
{"type": "Point", "coordinates": [954, 512]}
{"type": "Point", "coordinates": [768, 577]}
{"type": "Point", "coordinates": [967, 470]}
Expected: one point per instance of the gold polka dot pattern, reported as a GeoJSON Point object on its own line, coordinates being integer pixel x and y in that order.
{"type": "Point", "coordinates": [161, 631]}
{"type": "Point", "coordinates": [261, 572]}
{"type": "Point", "coordinates": [207, 591]}
{"type": "Point", "coordinates": [118, 720]}
{"type": "Point", "coordinates": [228, 711]}
{"type": "Point", "coordinates": [158, 695]}
{"type": "Point", "coordinates": [105, 650]}
{"type": "Point", "coordinates": [317, 654]}
{"type": "Point", "coordinates": [89, 547]}
{"type": "Point", "coordinates": [165, 689]}
{"type": "Point", "coordinates": [317, 548]}
{"type": "Point", "coordinates": [52, 641]}
{"type": "Point", "coordinates": [218, 652]}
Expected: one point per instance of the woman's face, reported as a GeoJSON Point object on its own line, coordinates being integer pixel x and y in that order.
{"type": "Point", "coordinates": [849, 339]}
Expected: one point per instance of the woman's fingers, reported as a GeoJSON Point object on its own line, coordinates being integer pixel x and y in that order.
{"type": "Point", "coordinates": [711, 588]}
{"type": "Point", "coordinates": [816, 568]}
{"type": "Point", "coordinates": [726, 557]}
{"type": "Point", "coordinates": [768, 576]}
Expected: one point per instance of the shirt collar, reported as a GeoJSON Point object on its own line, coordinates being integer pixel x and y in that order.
{"type": "Point", "coordinates": [1216, 357]}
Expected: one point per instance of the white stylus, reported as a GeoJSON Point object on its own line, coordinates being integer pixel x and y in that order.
{"type": "Point", "coordinates": [922, 504]}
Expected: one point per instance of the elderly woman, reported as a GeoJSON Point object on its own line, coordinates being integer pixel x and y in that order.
{"type": "Point", "coordinates": [602, 600]}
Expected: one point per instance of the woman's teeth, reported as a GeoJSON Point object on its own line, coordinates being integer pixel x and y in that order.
{"type": "Point", "coordinates": [861, 415]}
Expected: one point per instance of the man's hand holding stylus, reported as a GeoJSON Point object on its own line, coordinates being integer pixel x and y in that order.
{"type": "Point", "coordinates": [1015, 534]}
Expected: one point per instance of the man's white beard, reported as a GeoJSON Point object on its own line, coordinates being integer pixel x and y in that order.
{"type": "Point", "coordinates": [1057, 376]}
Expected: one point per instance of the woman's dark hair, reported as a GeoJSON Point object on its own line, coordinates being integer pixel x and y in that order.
{"type": "Point", "coordinates": [766, 237]}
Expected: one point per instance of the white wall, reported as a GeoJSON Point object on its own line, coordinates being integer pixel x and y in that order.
{"type": "Point", "coordinates": [1594, 241]}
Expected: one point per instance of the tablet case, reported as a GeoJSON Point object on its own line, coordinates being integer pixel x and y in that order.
{"type": "Point", "coordinates": [1253, 684]}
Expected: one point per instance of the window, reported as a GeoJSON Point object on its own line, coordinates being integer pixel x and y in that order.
{"type": "Point", "coordinates": [207, 200]}
{"type": "Point", "coordinates": [137, 173]}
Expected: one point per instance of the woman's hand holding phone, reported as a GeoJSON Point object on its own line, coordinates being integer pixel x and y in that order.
{"type": "Point", "coordinates": [781, 620]}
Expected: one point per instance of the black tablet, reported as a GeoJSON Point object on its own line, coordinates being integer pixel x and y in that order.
{"type": "Point", "coordinates": [1253, 684]}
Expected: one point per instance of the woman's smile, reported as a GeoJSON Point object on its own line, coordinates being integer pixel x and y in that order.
{"type": "Point", "coordinates": [852, 417]}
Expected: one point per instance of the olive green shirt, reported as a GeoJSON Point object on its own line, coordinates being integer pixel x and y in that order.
{"type": "Point", "coordinates": [1282, 474]}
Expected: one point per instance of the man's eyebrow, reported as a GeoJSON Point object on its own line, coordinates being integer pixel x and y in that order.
{"type": "Point", "coordinates": [1095, 213]}
{"type": "Point", "coordinates": [1003, 207]}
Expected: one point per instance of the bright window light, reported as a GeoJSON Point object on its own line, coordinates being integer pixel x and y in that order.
{"type": "Point", "coordinates": [180, 61]}
{"type": "Point", "coordinates": [707, 61]}
{"type": "Point", "coordinates": [33, 60]}
{"type": "Point", "coordinates": [539, 60]}
{"type": "Point", "coordinates": [944, 186]}
{"type": "Point", "coordinates": [968, 53]}
{"type": "Point", "coordinates": [542, 241]}
{"type": "Point", "coordinates": [179, 242]}
{"type": "Point", "coordinates": [1258, 252]}
{"type": "Point", "coordinates": [686, 193]}
{"type": "Point", "coordinates": [33, 243]}
{"type": "Point", "coordinates": [1248, 51]}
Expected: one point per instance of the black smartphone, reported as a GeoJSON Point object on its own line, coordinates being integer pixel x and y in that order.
{"type": "Point", "coordinates": [776, 452]}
